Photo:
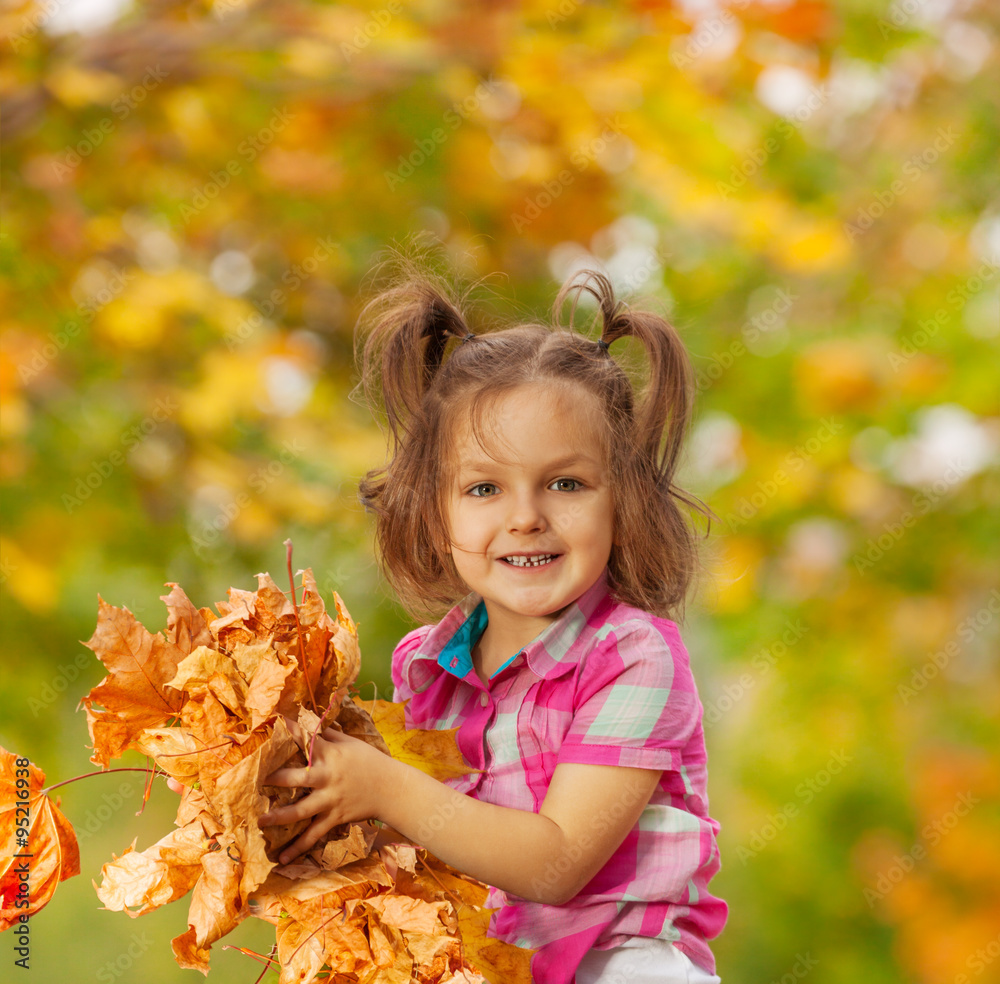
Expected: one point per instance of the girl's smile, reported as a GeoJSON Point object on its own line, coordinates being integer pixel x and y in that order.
{"type": "Point", "coordinates": [530, 562]}
{"type": "Point", "coordinates": [532, 531]}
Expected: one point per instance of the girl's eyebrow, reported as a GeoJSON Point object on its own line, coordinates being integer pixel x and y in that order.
{"type": "Point", "coordinates": [564, 462]}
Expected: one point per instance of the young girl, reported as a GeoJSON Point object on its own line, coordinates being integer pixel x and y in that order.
{"type": "Point", "coordinates": [529, 497]}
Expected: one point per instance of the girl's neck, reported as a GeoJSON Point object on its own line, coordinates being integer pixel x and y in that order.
{"type": "Point", "coordinates": [501, 640]}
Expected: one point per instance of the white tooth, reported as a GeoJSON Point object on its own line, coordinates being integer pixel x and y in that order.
{"type": "Point", "coordinates": [522, 561]}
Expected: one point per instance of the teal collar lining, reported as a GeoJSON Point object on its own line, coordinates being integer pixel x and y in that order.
{"type": "Point", "coordinates": [460, 646]}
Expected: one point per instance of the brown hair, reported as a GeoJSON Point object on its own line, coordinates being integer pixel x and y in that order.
{"type": "Point", "coordinates": [404, 372]}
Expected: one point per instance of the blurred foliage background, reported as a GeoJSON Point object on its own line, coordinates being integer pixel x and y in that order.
{"type": "Point", "coordinates": [193, 194]}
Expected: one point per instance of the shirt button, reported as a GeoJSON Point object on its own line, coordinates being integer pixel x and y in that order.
{"type": "Point", "coordinates": [484, 698]}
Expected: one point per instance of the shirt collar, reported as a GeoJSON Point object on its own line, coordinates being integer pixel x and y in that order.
{"type": "Point", "coordinates": [549, 654]}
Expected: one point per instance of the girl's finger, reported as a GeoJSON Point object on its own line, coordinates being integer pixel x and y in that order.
{"type": "Point", "coordinates": [292, 777]}
{"type": "Point", "coordinates": [301, 809]}
{"type": "Point", "coordinates": [305, 841]}
{"type": "Point", "coordinates": [296, 731]}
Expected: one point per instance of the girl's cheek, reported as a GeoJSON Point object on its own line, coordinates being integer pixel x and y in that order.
{"type": "Point", "coordinates": [563, 519]}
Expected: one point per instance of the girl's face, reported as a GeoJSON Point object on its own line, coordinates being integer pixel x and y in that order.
{"type": "Point", "coordinates": [533, 532]}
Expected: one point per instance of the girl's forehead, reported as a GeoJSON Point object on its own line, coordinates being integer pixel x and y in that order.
{"type": "Point", "coordinates": [540, 419]}
{"type": "Point", "coordinates": [541, 398]}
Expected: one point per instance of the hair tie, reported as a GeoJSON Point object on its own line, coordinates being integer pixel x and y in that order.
{"type": "Point", "coordinates": [601, 344]}
{"type": "Point", "coordinates": [465, 338]}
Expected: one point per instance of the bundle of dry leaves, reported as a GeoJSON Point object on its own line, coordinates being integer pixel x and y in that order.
{"type": "Point", "coordinates": [205, 701]}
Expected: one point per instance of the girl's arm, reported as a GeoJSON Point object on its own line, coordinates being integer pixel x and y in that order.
{"type": "Point", "coordinates": [544, 857]}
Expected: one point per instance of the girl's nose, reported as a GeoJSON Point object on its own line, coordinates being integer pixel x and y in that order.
{"type": "Point", "coordinates": [525, 514]}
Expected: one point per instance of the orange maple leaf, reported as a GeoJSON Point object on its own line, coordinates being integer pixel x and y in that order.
{"type": "Point", "coordinates": [38, 847]}
{"type": "Point", "coordinates": [134, 695]}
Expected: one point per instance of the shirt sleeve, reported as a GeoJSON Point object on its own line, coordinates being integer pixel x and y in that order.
{"type": "Point", "coordinates": [636, 702]}
{"type": "Point", "coordinates": [402, 656]}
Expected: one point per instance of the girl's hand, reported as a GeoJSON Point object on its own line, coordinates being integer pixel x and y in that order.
{"type": "Point", "coordinates": [347, 782]}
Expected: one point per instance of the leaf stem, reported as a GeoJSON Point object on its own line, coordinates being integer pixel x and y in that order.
{"type": "Point", "coordinates": [267, 967]}
{"type": "Point", "coordinates": [447, 891]}
{"type": "Point", "coordinates": [266, 959]}
{"type": "Point", "coordinates": [298, 624]}
{"type": "Point", "coordinates": [319, 726]}
{"type": "Point", "coordinates": [197, 751]}
{"type": "Point", "coordinates": [147, 786]}
{"type": "Point", "coordinates": [98, 772]}
{"type": "Point", "coordinates": [338, 912]}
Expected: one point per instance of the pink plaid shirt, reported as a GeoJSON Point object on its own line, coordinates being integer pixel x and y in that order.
{"type": "Point", "coordinates": [604, 684]}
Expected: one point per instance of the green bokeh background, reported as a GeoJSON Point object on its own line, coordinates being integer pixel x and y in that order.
{"type": "Point", "coordinates": [193, 195]}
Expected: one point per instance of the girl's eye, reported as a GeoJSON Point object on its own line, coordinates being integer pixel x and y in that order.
{"type": "Point", "coordinates": [563, 481]}
{"type": "Point", "coordinates": [562, 484]}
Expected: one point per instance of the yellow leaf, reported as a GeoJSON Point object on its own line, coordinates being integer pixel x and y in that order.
{"type": "Point", "coordinates": [32, 583]}
{"type": "Point", "coordinates": [840, 374]}
{"type": "Point", "coordinates": [77, 86]}
{"type": "Point", "coordinates": [433, 752]}
{"type": "Point", "coordinates": [146, 307]}
{"type": "Point", "coordinates": [808, 246]}
{"type": "Point", "coordinates": [497, 961]}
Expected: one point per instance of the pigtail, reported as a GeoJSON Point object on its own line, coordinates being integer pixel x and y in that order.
{"type": "Point", "coordinates": [614, 324]}
{"type": "Point", "coordinates": [669, 395]}
{"type": "Point", "coordinates": [408, 327]}
{"type": "Point", "coordinates": [400, 348]}
{"type": "Point", "coordinates": [659, 558]}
